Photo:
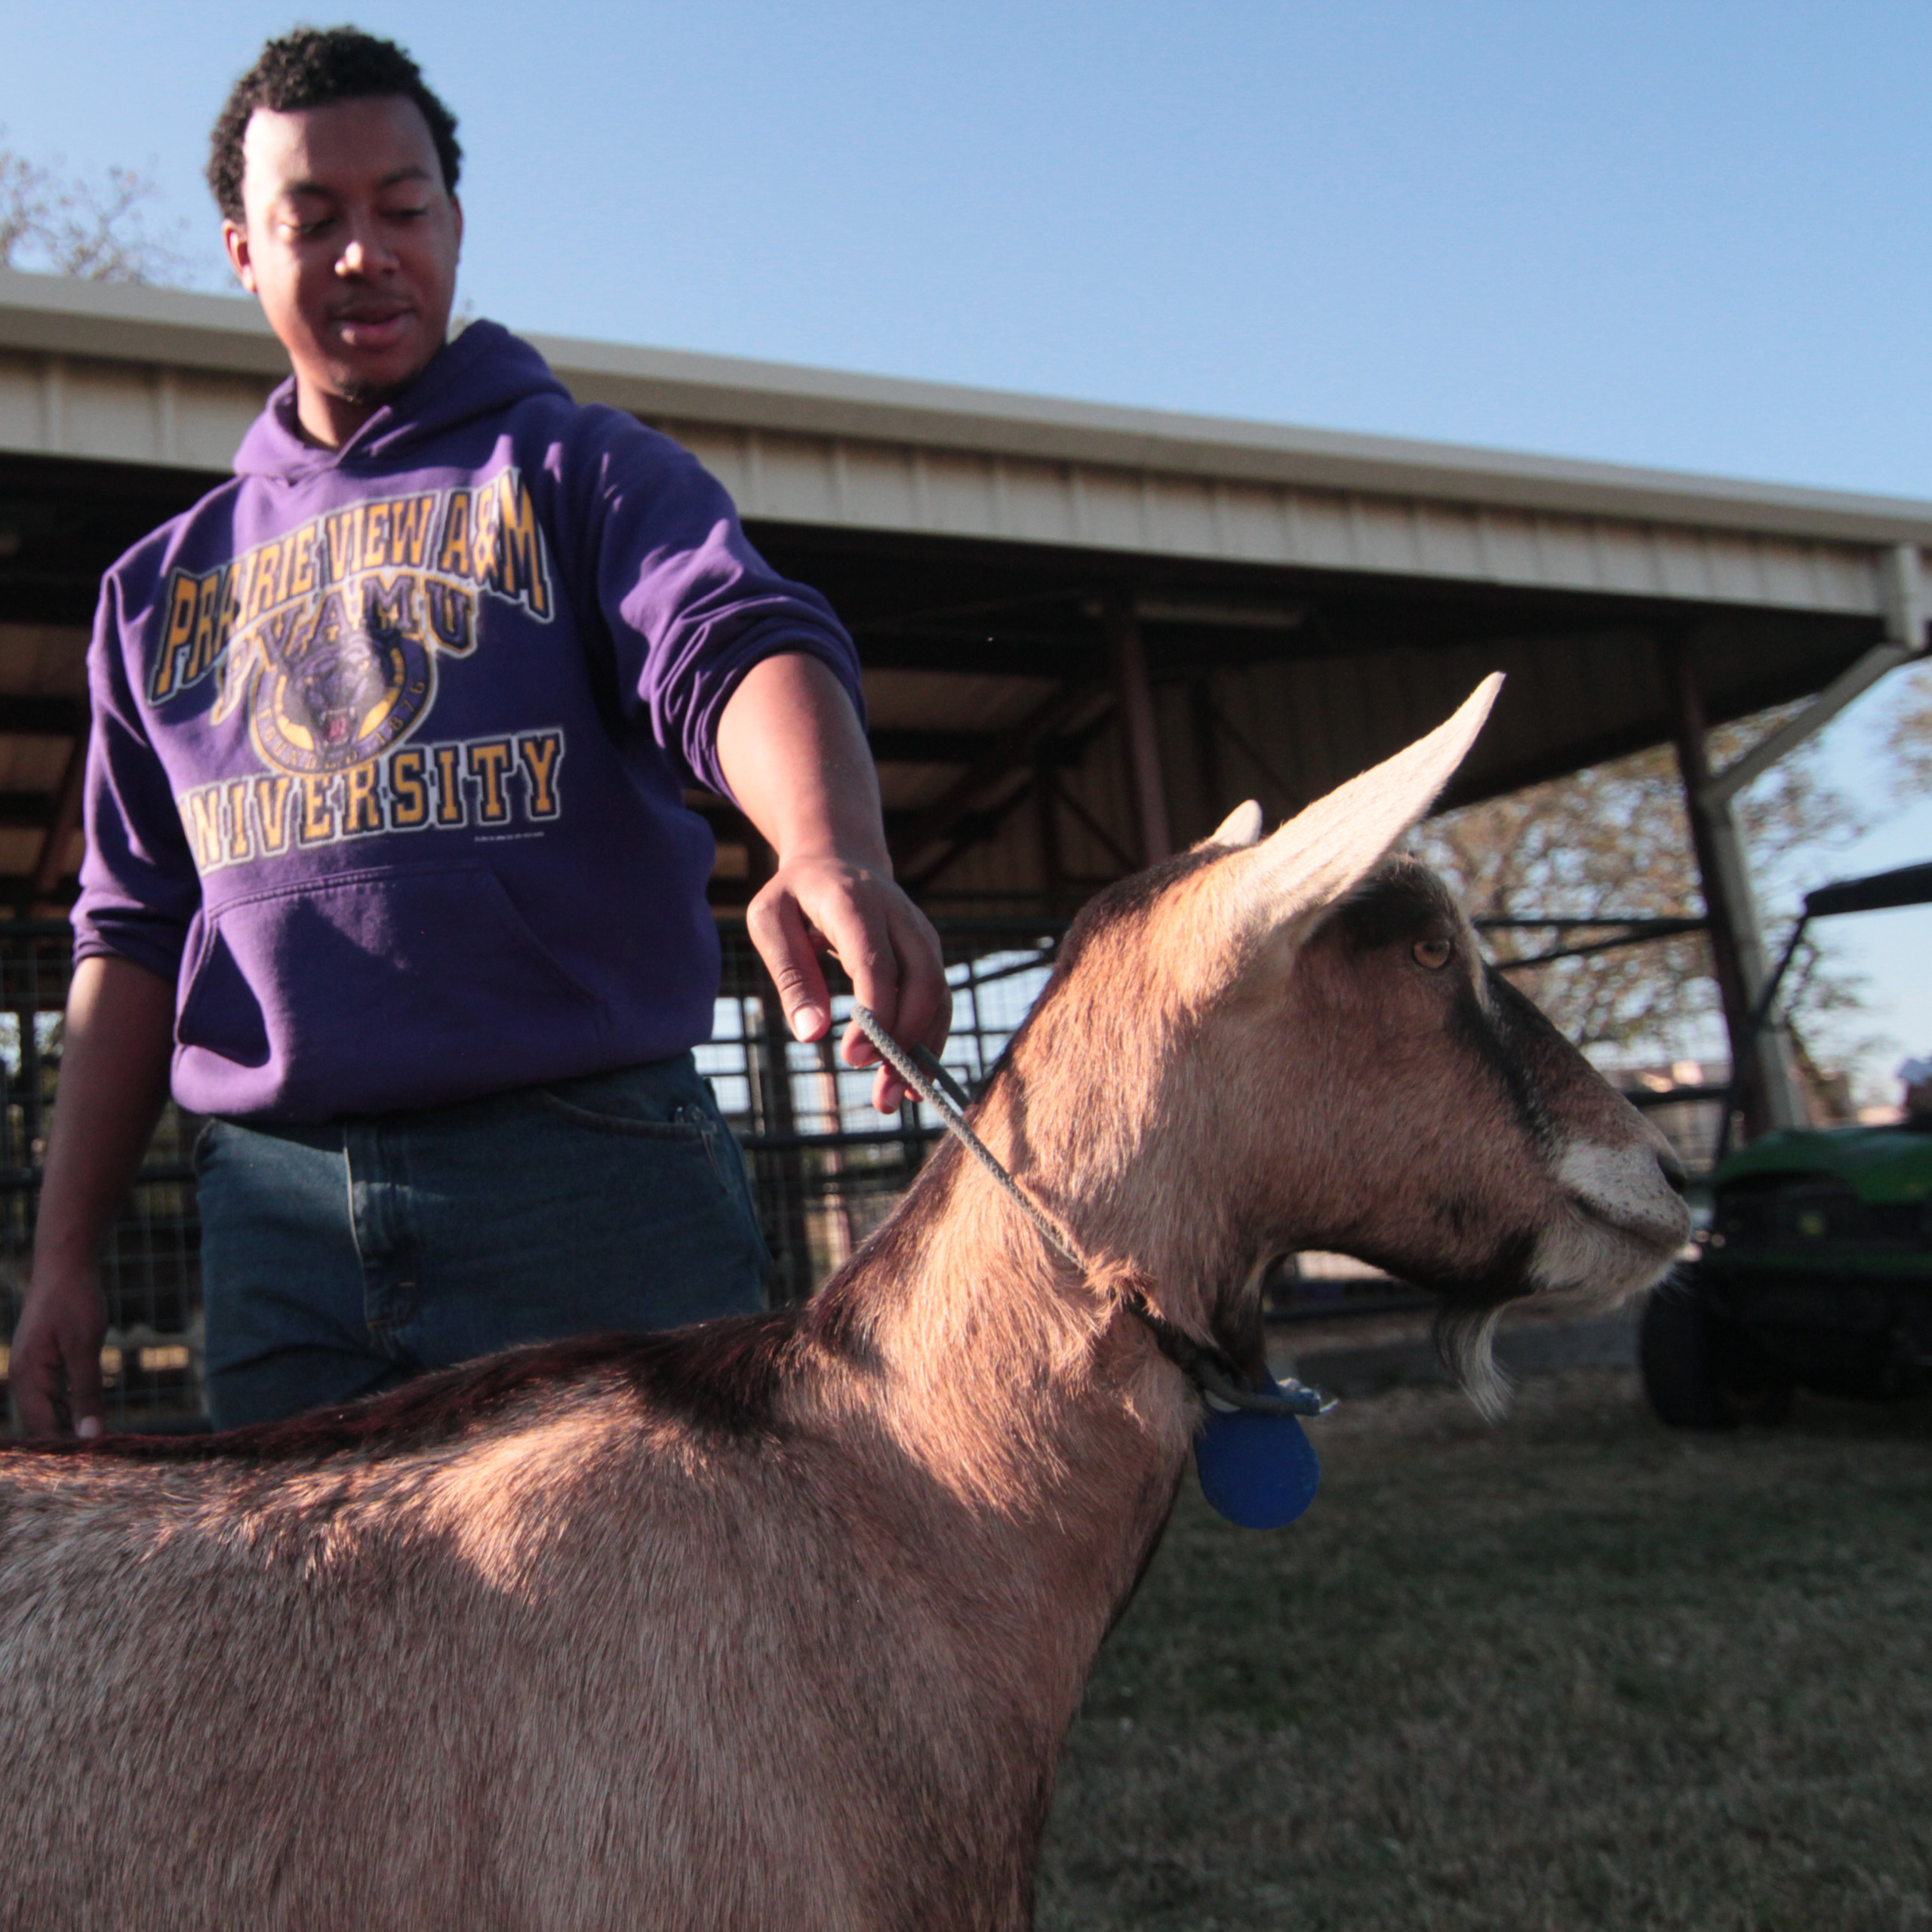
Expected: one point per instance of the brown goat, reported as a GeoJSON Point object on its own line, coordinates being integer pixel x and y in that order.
{"type": "Point", "coordinates": [777, 1624]}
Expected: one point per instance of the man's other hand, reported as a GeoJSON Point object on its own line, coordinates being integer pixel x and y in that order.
{"type": "Point", "coordinates": [54, 1364]}
{"type": "Point", "coordinates": [118, 1036]}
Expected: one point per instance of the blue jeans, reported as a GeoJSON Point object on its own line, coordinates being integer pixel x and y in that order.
{"type": "Point", "coordinates": [337, 1260]}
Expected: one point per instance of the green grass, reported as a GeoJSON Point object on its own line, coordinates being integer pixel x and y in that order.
{"type": "Point", "coordinates": [1574, 1671]}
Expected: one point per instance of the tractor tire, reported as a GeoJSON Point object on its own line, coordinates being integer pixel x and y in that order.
{"type": "Point", "coordinates": [1673, 1352]}
{"type": "Point", "coordinates": [1757, 1390]}
{"type": "Point", "coordinates": [1700, 1373]}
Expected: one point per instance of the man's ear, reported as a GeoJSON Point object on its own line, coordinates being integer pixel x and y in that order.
{"type": "Point", "coordinates": [234, 239]}
{"type": "Point", "coordinates": [1291, 879]}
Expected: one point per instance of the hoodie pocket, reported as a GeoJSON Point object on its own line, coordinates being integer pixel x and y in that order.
{"type": "Point", "coordinates": [381, 990]}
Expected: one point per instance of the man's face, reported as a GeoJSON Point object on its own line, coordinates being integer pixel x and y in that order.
{"type": "Point", "coordinates": [350, 241]}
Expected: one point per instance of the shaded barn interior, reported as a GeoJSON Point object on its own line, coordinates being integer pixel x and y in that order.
{"type": "Point", "coordinates": [1002, 685]}
{"type": "Point", "coordinates": [994, 676]}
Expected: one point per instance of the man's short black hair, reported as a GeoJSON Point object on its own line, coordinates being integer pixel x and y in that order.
{"type": "Point", "coordinates": [313, 67]}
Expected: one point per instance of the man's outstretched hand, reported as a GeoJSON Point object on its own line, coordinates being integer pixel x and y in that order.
{"type": "Point", "coordinates": [790, 745]}
{"type": "Point", "coordinates": [54, 1364]}
{"type": "Point", "coordinates": [813, 906]}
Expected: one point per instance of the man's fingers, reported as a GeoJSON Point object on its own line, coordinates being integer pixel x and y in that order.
{"type": "Point", "coordinates": [778, 929]}
{"type": "Point", "coordinates": [863, 939]}
{"type": "Point", "coordinates": [83, 1396]}
{"type": "Point", "coordinates": [921, 1011]}
{"type": "Point", "coordinates": [36, 1388]}
{"type": "Point", "coordinates": [55, 1366]}
{"type": "Point", "coordinates": [56, 1378]}
{"type": "Point", "coordinates": [925, 999]}
{"type": "Point", "coordinates": [887, 948]}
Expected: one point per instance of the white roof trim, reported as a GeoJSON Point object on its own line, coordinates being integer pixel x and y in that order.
{"type": "Point", "coordinates": [121, 322]}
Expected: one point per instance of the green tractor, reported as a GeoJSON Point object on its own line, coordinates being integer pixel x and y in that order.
{"type": "Point", "coordinates": [1815, 1269]}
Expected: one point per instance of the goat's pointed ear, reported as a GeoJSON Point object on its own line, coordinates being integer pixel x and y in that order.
{"type": "Point", "coordinates": [1242, 826]}
{"type": "Point", "coordinates": [1324, 852]}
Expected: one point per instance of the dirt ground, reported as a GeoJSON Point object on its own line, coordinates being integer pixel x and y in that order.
{"type": "Point", "coordinates": [1575, 1670]}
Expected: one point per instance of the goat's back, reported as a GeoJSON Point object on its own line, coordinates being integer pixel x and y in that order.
{"type": "Point", "coordinates": [572, 1661]}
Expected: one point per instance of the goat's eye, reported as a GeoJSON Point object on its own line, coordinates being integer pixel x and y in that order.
{"type": "Point", "coordinates": [1434, 953]}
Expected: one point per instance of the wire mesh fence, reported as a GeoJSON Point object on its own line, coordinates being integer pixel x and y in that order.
{"type": "Point", "coordinates": [151, 1266]}
{"type": "Point", "coordinates": [825, 1168]}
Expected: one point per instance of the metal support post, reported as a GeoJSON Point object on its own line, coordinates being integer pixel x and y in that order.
{"type": "Point", "coordinates": [1126, 656]}
{"type": "Point", "coordinates": [1769, 1094]}
{"type": "Point", "coordinates": [1208, 752]}
{"type": "Point", "coordinates": [51, 865]}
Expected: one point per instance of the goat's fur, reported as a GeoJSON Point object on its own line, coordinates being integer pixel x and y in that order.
{"type": "Point", "coordinates": [778, 1622]}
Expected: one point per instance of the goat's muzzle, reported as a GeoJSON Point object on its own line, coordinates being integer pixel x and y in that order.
{"type": "Point", "coordinates": [1627, 1220]}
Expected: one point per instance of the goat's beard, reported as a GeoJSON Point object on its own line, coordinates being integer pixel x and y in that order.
{"type": "Point", "coordinates": [1471, 1301]}
{"type": "Point", "coordinates": [1466, 1341]}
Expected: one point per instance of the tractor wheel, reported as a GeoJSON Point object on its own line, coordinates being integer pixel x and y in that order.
{"type": "Point", "coordinates": [1700, 1372]}
{"type": "Point", "coordinates": [1756, 1390]}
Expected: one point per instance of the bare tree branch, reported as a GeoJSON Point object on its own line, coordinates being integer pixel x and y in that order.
{"type": "Point", "coordinates": [64, 225]}
{"type": "Point", "coordinates": [1909, 736]}
{"type": "Point", "coordinates": [1614, 840]}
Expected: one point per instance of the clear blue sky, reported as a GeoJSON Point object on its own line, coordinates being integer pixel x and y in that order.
{"type": "Point", "coordinates": [1694, 235]}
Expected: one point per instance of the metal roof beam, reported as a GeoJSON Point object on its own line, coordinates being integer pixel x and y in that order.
{"type": "Point", "coordinates": [1010, 755]}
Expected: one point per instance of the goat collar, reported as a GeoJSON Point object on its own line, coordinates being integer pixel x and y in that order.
{"type": "Point", "coordinates": [1214, 1372]}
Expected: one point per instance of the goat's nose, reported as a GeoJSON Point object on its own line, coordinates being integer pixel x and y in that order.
{"type": "Point", "coordinates": [1651, 1135]}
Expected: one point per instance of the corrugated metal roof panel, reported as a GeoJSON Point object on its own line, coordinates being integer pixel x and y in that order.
{"type": "Point", "coordinates": [151, 328]}
{"type": "Point", "coordinates": [836, 483]}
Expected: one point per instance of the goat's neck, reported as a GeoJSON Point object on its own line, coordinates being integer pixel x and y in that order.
{"type": "Point", "coordinates": [1028, 1432]}
{"type": "Point", "coordinates": [1008, 1370]}
{"type": "Point", "coordinates": [1134, 1167]}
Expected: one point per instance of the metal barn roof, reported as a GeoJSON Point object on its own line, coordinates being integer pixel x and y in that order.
{"type": "Point", "coordinates": [1301, 601]}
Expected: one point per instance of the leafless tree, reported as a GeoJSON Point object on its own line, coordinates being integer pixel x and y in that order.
{"type": "Point", "coordinates": [1614, 840]}
{"type": "Point", "coordinates": [1909, 734]}
{"type": "Point", "coordinates": [62, 225]}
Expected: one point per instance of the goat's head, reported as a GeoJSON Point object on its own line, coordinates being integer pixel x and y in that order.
{"type": "Point", "coordinates": [1301, 1047]}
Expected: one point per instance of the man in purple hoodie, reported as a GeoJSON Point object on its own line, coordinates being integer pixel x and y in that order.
{"type": "Point", "coordinates": [388, 858]}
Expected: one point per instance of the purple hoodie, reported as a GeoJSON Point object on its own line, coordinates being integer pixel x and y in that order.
{"type": "Point", "coordinates": [390, 744]}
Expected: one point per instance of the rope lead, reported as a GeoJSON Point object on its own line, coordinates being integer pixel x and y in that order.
{"type": "Point", "coordinates": [1212, 1373]}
